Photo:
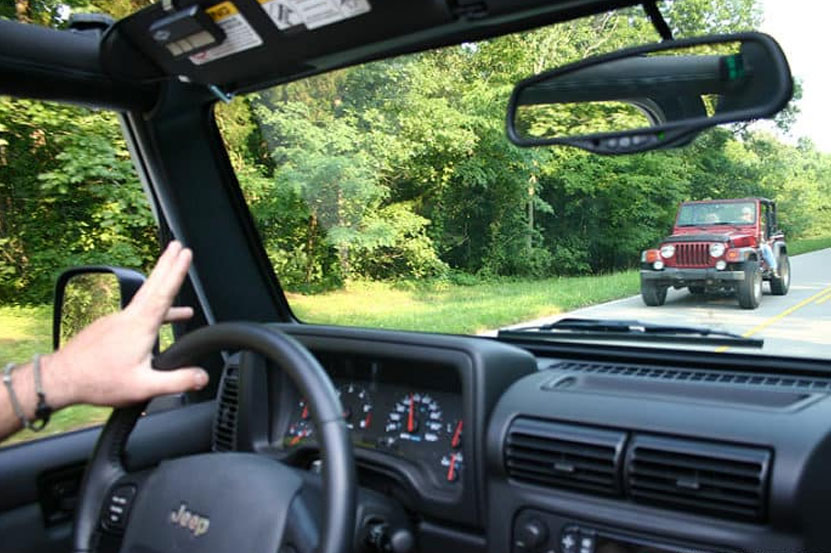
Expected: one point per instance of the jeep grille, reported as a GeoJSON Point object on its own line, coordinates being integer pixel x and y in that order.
{"type": "Point", "coordinates": [692, 254]}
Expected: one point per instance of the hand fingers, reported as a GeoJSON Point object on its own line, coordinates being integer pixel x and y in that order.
{"type": "Point", "coordinates": [157, 275]}
{"type": "Point", "coordinates": [174, 382]}
{"type": "Point", "coordinates": [161, 291]}
{"type": "Point", "coordinates": [175, 314]}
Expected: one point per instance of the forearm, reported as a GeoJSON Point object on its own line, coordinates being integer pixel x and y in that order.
{"type": "Point", "coordinates": [58, 393]}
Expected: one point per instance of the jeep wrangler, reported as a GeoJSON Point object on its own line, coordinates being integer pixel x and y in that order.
{"type": "Point", "coordinates": [718, 246]}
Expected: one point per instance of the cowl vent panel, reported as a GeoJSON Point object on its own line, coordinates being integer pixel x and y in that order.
{"type": "Point", "coordinates": [728, 378]}
{"type": "Point", "coordinates": [703, 477]}
{"type": "Point", "coordinates": [568, 456]}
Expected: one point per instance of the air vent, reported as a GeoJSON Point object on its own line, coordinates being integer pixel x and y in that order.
{"type": "Point", "coordinates": [692, 375]}
{"type": "Point", "coordinates": [225, 425]}
{"type": "Point", "coordinates": [703, 477]}
{"type": "Point", "coordinates": [565, 456]}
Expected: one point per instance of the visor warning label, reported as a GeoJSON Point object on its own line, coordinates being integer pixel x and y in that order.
{"type": "Point", "coordinates": [312, 13]}
{"type": "Point", "coordinates": [239, 35]}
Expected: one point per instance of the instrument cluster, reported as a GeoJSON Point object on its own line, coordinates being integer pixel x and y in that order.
{"type": "Point", "coordinates": [421, 423]}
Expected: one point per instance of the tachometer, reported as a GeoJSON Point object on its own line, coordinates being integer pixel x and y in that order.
{"type": "Point", "coordinates": [415, 417]}
{"type": "Point", "coordinates": [357, 406]}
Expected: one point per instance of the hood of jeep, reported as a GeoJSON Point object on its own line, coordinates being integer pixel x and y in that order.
{"type": "Point", "coordinates": [711, 233]}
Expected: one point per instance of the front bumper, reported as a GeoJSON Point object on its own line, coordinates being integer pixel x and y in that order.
{"type": "Point", "coordinates": [673, 275]}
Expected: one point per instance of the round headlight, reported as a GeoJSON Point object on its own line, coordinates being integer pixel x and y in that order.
{"type": "Point", "coordinates": [721, 264]}
{"type": "Point", "coordinates": [658, 265]}
{"type": "Point", "coordinates": [717, 249]}
{"type": "Point", "coordinates": [667, 251]}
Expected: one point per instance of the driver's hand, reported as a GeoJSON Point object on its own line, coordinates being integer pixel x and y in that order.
{"type": "Point", "coordinates": [108, 362]}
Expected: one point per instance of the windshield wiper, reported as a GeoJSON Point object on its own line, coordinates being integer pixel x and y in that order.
{"type": "Point", "coordinates": [631, 330]}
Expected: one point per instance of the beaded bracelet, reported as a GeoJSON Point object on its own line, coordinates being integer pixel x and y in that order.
{"type": "Point", "coordinates": [42, 411]}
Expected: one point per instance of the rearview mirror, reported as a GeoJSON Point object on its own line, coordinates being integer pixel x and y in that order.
{"type": "Point", "coordinates": [650, 97]}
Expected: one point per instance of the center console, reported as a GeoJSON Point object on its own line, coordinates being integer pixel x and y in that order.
{"type": "Point", "coordinates": [589, 457]}
{"type": "Point", "coordinates": [536, 530]}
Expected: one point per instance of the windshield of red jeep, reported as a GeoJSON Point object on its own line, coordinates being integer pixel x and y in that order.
{"type": "Point", "coordinates": [711, 213]}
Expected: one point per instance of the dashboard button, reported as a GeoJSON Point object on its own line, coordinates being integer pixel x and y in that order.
{"type": "Point", "coordinates": [586, 543]}
{"type": "Point", "coordinates": [569, 541]}
{"type": "Point", "coordinates": [531, 534]}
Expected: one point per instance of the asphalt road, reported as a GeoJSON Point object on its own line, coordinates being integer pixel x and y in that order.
{"type": "Point", "coordinates": [798, 324]}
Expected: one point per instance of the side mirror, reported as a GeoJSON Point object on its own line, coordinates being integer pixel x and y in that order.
{"type": "Point", "coordinates": [651, 97]}
{"type": "Point", "coordinates": [83, 294]}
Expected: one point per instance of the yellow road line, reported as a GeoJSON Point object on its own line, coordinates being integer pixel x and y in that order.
{"type": "Point", "coordinates": [823, 300]}
{"type": "Point", "coordinates": [782, 315]}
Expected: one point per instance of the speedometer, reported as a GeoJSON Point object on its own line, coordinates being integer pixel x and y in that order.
{"type": "Point", "coordinates": [415, 417]}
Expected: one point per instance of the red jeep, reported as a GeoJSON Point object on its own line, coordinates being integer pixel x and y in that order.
{"type": "Point", "coordinates": [723, 245]}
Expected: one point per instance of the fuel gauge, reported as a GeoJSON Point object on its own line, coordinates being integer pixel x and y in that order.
{"type": "Point", "coordinates": [299, 431]}
{"type": "Point", "coordinates": [301, 427]}
{"type": "Point", "coordinates": [452, 465]}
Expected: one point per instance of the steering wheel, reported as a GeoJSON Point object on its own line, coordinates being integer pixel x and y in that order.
{"type": "Point", "coordinates": [224, 501]}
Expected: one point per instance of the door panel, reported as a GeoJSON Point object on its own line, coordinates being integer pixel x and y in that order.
{"type": "Point", "coordinates": [39, 480]}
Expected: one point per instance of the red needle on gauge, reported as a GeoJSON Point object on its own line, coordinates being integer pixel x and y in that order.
{"type": "Point", "coordinates": [457, 436]}
{"type": "Point", "coordinates": [451, 471]}
{"type": "Point", "coordinates": [298, 437]}
{"type": "Point", "coordinates": [411, 416]}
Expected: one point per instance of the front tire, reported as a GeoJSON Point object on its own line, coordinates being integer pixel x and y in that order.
{"type": "Point", "coordinates": [749, 291]}
{"type": "Point", "coordinates": [780, 286]}
{"type": "Point", "coordinates": [653, 295]}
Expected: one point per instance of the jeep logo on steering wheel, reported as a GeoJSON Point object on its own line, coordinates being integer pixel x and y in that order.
{"type": "Point", "coordinates": [196, 524]}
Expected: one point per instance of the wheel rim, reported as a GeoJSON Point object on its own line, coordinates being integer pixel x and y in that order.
{"type": "Point", "coordinates": [786, 273]}
{"type": "Point", "coordinates": [757, 287]}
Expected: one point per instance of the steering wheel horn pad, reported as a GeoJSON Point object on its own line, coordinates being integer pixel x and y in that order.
{"type": "Point", "coordinates": [212, 502]}
{"type": "Point", "coordinates": [227, 501]}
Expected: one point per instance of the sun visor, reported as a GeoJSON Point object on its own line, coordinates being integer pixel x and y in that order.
{"type": "Point", "coordinates": [238, 43]}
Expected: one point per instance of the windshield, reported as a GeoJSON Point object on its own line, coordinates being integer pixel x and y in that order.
{"type": "Point", "coordinates": [713, 213]}
{"type": "Point", "coordinates": [387, 195]}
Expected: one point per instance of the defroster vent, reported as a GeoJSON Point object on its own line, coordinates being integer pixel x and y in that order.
{"type": "Point", "coordinates": [704, 477]}
{"type": "Point", "coordinates": [225, 425]}
{"type": "Point", "coordinates": [560, 455]}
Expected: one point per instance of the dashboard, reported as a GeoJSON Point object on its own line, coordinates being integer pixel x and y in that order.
{"type": "Point", "coordinates": [416, 405]}
{"type": "Point", "coordinates": [407, 410]}
{"type": "Point", "coordinates": [530, 447]}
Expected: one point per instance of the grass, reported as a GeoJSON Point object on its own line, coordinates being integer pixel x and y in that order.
{"type": "Point", "coordinates": [25, 331]}
{"type": "Point", "coordinates": [443, 307]}
{"type": "Point", "coordinates": [805, 245]}
{"type": "Point", "coordinates": [430, 306]}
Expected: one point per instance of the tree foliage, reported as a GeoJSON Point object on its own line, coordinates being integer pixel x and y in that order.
{"type": "Point", "coordinates": [68, 196]}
